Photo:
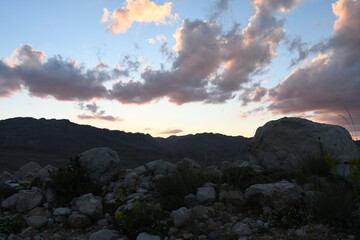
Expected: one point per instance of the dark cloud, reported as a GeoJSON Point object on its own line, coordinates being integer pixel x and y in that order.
{"type": "Point", "coordinates": [331, 82]}
{"type": "Point", "coordinates": [55, 77]}
{"type": "Point", "coordinates": [172, 131]}
{"type": "Point", "coordinates": [92, 107]}
{"type": "Point", "coordinates": [254, 93]}
{"type": "Point", "coordinates": [220, 6]}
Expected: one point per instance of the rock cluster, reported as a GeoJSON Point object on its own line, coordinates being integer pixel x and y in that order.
{"type": "Point", "coordinates": [214, 211]}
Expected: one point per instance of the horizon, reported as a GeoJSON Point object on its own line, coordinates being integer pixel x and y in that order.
{"type": "Point", "coordinates": [176, 68]}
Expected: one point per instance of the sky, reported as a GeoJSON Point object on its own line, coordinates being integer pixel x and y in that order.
{"type": "Point", "coordinates": [181, 67]}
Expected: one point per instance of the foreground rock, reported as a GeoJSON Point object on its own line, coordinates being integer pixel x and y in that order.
{"type": "Point", "coordinates": [281, 144]}
{"type": "Point", "coordinates": [103, 163]}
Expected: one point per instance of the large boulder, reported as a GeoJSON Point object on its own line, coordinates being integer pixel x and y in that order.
{"type": "Point", "coordinates": [281, 144]}
{"type": "Point", "coordinates": [103, 163]}
{"type": "Point", "coordinates": [90, 205]}
{"type": "Point", "coordinates": [276, 195]}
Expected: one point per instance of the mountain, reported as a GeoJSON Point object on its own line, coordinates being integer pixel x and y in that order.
{"type": "Point", "coordinates": [55, 141]}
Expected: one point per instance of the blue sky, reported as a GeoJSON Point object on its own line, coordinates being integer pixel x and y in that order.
{"type": "Point", "coordinates": [180, 67]}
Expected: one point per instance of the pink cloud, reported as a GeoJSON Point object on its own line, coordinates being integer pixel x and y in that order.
{"type": "Point", "coordinates": [143, 11]}
{"type": "Point", "coordinates": [171, 131]}
{"type": "Point", "coordinates": [99, 117]}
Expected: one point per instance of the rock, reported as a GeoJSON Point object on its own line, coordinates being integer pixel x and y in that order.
{"type": "Point", "coordinates": [50, 195]}
{"type": "Point", "coordinates": [180, 216]}
{"type": "Point", "coordinates": [37, 221]}
{"type": "Point", "coordinates": [146, 236]}
{"type": "Point", "coordinates": [103, 164]}
{"type": "Point", "coordinates": [11, 201]}
{"type": "Point", "coordinates": [38, 211]}
{"type": "Point", "coordinates": [300, 233]}
{"type": "Point", "coordinates": [43, 173]}
{"type": "Point", "coordinates": [160, 167]}
{"type": "Point", "coordinates": [62, 211]}
{"type": "Point", "coordinates": [205, 194]}
{"type": "Point", "coordinates": [27, 171]}
{"type": "Point", "coordinates": [78, 220]}
{"type": "Point", "coordinates": [241, 229]}
{"type": "Point", "coordinates": [190, 200]}
{"type": "Point", "coordinates": [28, 200]}
{"type": "Point", "coordinates": [233, 200]}
{"type": "Point", "coordinates": [139, 171]}
{"type": "Point", "coordinates": [5, 176]}
{"type": "Point", "coordinates": [104, 234]}
{"type": "Point", "coordinates": [280, 145]}
{"type": "Point", "coordinates": [103, 222]}
{"type": "Point", "coordinates": [90, 205]}
{"type": "Point", "coordinates": [276, 195]}
{"type": "Point", "coordinates": [188, 163]}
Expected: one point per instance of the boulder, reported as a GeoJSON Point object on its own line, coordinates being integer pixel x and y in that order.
{"type": "Point", "coordinates": [104, 234]}
{"type": "Point", "coordinates": [43, 173]}
{"type": "Point", "coordinates": [160, 167]}
{"type": "Point", "coordinates": [280, 145]}
{"type": "Point", "coordinates": [28, 200]}
{"type": "Point", "coordinates": [188, 163]}
{"type": "Point", "coordinates": [27, 171]}
{"type": "Point", "coordinates": [103, 164]}
{"type": "Point", "coordinates": [90, 205]}
{"type": "Point", "coordinates": [180, 216]}
{"type": "Point", "coordinates": [11, 201]}
{"type": "Point", "coordinates": [276, 195]}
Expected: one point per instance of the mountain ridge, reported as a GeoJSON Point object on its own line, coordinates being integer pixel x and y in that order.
{"type": "Point", "coordinates": [52, 141]}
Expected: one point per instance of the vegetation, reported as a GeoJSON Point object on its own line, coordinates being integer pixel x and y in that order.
{"type": "Point", "coordinates": [11, 225]}
{"type": "Point", "coordinates": [72, 181]}
{"type": "Point", "coordinates": [241, 177]}
{"type": "Point", "coordinates": [141, 217]}
{"type": "Point", "coordinates": [172, 189]}
{"type": "Point", "coordinates": [287, 217]}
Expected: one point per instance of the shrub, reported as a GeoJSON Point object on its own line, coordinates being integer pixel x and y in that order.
{"type": "Point", "coordinates": [354, 171]}
{"type": "Point", "coordinates": [172, 189]}
{"type": "Point", "coordinates": [6, 191]}
{"type": "Point", "coordinates": [317, 165]}
{"type": "Point", "coordinates": [241, 177]}
{"type": "Point", "coordinates": [333, 204]}
{"type": "Point", "coordinates": [11, 225]}
{"type": "Point", "coordinates": [287, 217]}
{"type": "Point", "coordinates": [72, 181]}
{"type": "Point", "coordinates": [141, 217]}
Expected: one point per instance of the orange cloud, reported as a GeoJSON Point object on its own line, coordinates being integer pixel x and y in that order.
{"type": "Point", "coordinates": [137, 11]}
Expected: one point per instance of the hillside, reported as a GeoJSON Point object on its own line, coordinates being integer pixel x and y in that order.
{"type": "Point", "coordinates": [55, 141]}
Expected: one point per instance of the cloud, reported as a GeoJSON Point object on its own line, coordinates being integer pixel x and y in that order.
{"type": "Point", "coordinates": [99, 117]}
{"type": "Point", "coordinates": [331, 82]}
{"type": "Point", "coordinates": [220, 7]}
{"type": "Point", "coordinates": [151, 41]}
{"type": "Point", "coordinates": [171, 131]}
{"type": "Point", "coordinates": [56, 77]}
{"type": "Point", "coordinates": [92, 107]}
{"type": "Point", "coordinates": [142, 11]}
{"type": "Point", "coordinates": [212, 65]}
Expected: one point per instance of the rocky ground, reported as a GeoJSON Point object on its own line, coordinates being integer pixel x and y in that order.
{"type": "Point", "coordinates": [163, 200]}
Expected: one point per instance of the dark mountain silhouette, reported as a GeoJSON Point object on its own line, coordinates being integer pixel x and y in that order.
{"type": "Point", "coordinates": [55, 141]}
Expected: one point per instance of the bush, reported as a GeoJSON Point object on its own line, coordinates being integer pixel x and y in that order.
{"type": "Point", "coordinates": [354, 171]}
{"type": "Point", "coordinates": [141, 217]}
{"type": "Point", "coordinates": [241, 177]}
{"type": "Point", "coordinates": [72, 181]}
{"type": "Point", "coordinates": [334, 204]}
{"type": "Point", "coordinates": [172, 189]}
{"type": "Point", "coordinates": [287, 217]}
{"type": "Point", "coordinates": [11, 225]}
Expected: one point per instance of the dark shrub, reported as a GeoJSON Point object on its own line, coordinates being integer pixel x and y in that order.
{"type": "Point", "coordinates": [11, 225]}
{"type": "Point", "coordinates": [72, 181]}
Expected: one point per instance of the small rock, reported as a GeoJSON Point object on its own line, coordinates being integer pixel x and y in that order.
{"type": "Point", "coordinates": [104, 234]}
{"type": "Point", "coordinates": [146, 236]}
{"type": "Point", "coordinates": [62, 211]}
{"type": "Point", "coordinates": [301, 233]}
{"type": "Point", "coordinates": [180, 217]}
{"type": "Point", "coordinates": [90, 205]}
{"type": "Point", "coordinates": [37, 221]}
{"type": "Point", "coordinates": [78, 220]}
{"type": "Point", "coordinates": [241, 229]}
{"type": "Point", "coordinates": [205, 194]}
